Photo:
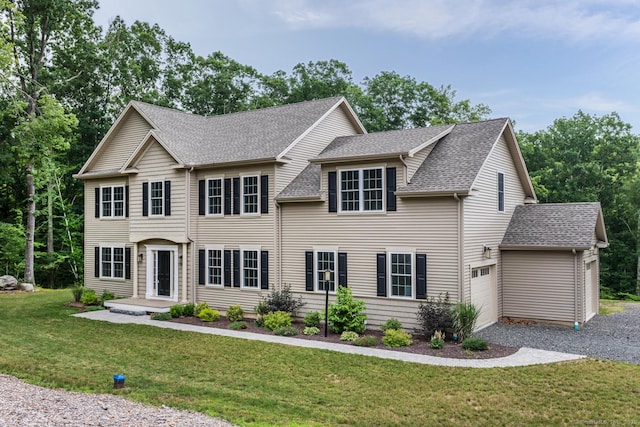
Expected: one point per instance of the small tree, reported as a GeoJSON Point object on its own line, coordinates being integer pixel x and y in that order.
{"type": "Point", "coordinates": [347, 313]}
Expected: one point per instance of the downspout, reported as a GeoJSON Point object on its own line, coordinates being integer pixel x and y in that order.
{"type": "Point", "coordinates": [575, 285]}
{"type": "Point", "coordinates": [460, 260]}
{"type": "Point", "coordinates": [406, 167]}
{"type": "Point", "coordinates": [278, 260]}
{"type": "Point", "coordinates": [188, 227]}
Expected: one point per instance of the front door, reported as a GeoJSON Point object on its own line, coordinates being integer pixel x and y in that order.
{"type": "Point", "coordinates": [163, 279]}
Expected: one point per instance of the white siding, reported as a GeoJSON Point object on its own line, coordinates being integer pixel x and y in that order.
{"type": "Point", "coordinates": [542, 285]}
{"type": "Point", "coordinates": [483, 224]}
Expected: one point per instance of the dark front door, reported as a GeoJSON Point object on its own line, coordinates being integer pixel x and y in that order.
{"type": "Point", "coordinates": [164, 273]}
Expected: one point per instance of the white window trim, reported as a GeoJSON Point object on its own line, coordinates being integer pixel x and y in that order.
{"type": "Point", "coordinates": [206, 190]}
{"type": "Point", "coordinates": [206, 254]}
{"type": "Point", "coordinates": [113, 207]}
{"type": "Point", "coordinates": [361, 209]}
{"type": "Point", "coordinates": [504, 192]}
{"type": "Point", "coordinates": [316, 284]}
{"type": "Point", "coordinates": [244, 249]}
{"type": "Point", "coordinates": [258, 194]}
{"type": "Point", "coordinates": [150, 249]}
{"type": "Point", "coordinates": [162, 187]}
{"type": "Point", "coordinates": [124, 263]}
{"type": "Point", "coordinates": [413, 274]}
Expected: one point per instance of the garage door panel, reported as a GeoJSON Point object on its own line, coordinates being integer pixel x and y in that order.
{"type": "Point", "coordinates": [484, 294]}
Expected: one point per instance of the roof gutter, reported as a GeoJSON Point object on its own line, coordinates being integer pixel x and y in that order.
{"type": "Point", "coordinates": [381, 156]}
{"type": "Point", "coordinates": [266, 160]}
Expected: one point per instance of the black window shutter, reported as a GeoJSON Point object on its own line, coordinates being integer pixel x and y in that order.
{"type": "Point", "coordinates": [264, 270]}
{"type": "Point", "coordinates": [236, 196]}
{"type": "Point", "coordinates": [126, 201]}
{"type": "Point", "coordinates": [167, 198]}
{"type": "Point", "coordinates": [127, 263]}
{"type": "Point", "coordinates": [145, 199]}
{"type": "Point", "coordinates": [308, 262]}
{"type": "Point", "coordinates": [342, 269]}
{"type": "Point", "coordinates": [96, 262]}
{"type": "Point", "coordinates": [202, 266]}
{"type": "Point", "coordinates": [227, 268]}
{"type": "Point", "coordinates": [333, 192]}
{"type": "Point", "coordinates": [236, 268]}
{"type": "Point", "coordinates": [421, 276]}
{"type": "Point", "coordinates": [97, 202]}
{"type": "Point", "coordinates": [227, 196]}
{"type": "Point", "coordinates": [382, 274]}
{"type": "Point", "coordinates": [264, 194]}
{"type": "Point", "coordinates": [391, 189]}
{"type": "Point", "coordinates": [201, 196]}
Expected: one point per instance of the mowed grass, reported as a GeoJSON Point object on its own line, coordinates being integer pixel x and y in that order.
{"type": "Point", "coordinates": [255, 383]}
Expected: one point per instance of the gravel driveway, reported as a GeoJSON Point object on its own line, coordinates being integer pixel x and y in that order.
{"type": "Point", "coordinates": [615, 336]}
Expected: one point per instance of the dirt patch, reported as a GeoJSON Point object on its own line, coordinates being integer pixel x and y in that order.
{"type": "Point", "coordinates": [419, 346]}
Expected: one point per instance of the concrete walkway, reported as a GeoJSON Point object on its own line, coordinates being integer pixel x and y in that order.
{"type": "Point", "coordinates": [523, 357]}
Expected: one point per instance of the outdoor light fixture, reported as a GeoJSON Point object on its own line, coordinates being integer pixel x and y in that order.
{"type": "Point", "coordinates": [486, 251]}
{"type": "Point", "coordinates": [140, 257]}
{"type": "Point", "coordinates": [327, 278]}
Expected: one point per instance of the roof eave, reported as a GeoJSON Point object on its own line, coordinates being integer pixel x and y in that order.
{"type": "Point", "coordinates": [299, 199]}
{"type": "Point", "coordinates": [266, 160]}
{"type": "Point", "coordinates": [95, 175]}
{"type": "Point", "coordinates": [349, 159]}
{"type": "Point", "coordinates": [543, 248]}
{"type": "Point", "coordinates": [451, 193]}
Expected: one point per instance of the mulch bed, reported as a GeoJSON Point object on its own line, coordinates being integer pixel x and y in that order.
{"type": "Point", "coordinates": [419, 346]}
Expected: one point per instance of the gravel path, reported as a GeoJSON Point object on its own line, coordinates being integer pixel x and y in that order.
{"type": "Point", "coordinates": [23, 404]}
{"type": "Point", "coordinates": [615, 336]}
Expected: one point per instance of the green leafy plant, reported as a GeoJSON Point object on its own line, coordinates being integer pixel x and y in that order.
{"type": "Point", "coordinates": [89, 297]}
{"type": "Point", "coordinates": [107, 295]}
{"type": "Point", "coordinates": [161, 316]}
{"type": "Point", "coordinates": [188, 309]}
{"type": "Point", "coordinates": [282, 300]}
{"type": "Point", "coordinates": [437, 340]}
{"type": "Point", "coordinates": [77, 292]}
{"type": "Point", "coordinates": [312, 319]}
{"type": "Point", "coordinates": [277, 319]}
{"type": "Point", "coordinates": [392, 323]}
{"type": "Point", "coordinates": [434, 315]}
{"type": "Point", "coordinates": [475, 344]}
{"type": "Point", "coordinates": [349, 336]}
{"type": "Point", "coordinates": [201, 306]}
{"type": "Point", "coordinates": [464, 316]}
{"type": "Point", "coordinates": [209, 315]}
{"type": "Point", "coordinates": [235, 313]}
{"type": "Point", "coordinates": [347, 313]}
{"type": "Point", "coordinates": [311, 330]}
{"type": "Point", "coordinates": [366, 341]}
{"type": "Point", "coordinates": [176, 310]}
{"type": "Point", "coordinates": [259, 322]}
{"type": "Point", "coordinates": [286, 331]}
{"type": "Point", "coordinates": [396, 338]}
{"type": "Point", "coordinates": [240, 324]}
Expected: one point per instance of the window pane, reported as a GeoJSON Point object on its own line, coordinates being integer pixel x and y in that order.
{"type": "Point", "coordinates": [118, 201]}
{"type": "Point", "coordinates": [118, 262]}
{"type": "Point", "coordinates": [401, 275]}
{"type": "Point", "coordinates": [156, 198]}
{"type": "Point", "coordinates": [350, 190]}
{"type": "Point", "coordinates": [250, 264]}
{"type": "Point", "coordinates": [215, 267]}
{"type": "Point", "coordinates": [106, 201]}
{"type": "Point", "coordinates": [250, 192]}
{"type": "Point", "coordinates": [215, 197]}
{"type": "Point", "coordinates": [326, 261]}
{"type": "Point", "coordinates": [106, 262]}
{"type": "Point", "coordinates": [372, 189]}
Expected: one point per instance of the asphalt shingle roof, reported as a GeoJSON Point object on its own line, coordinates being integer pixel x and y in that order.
{"type": "Point", "coordinates": [305, 185]}
{"type": "Point", "coordinates": [559, 225]}
{"type": "Point", "coordinates": [243, 136]}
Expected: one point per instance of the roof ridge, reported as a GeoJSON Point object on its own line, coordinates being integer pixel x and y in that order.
{"type": "Point", "coordinates": [275, 107]}
{"type": "Point", "coordinates": [170, 109]}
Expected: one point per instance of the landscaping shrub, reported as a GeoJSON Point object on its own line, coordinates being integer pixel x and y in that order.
{"type": "Point", "coordinates": [626, 296]}
{"type": "Point", "coordinates": [475, 344]}
{"type": "Point", "coordinates": [347, 313]}
{"type": "Point", "coordinates": [107, 295]}
{"type": "Point", "coordinates": [434, 315]}
{"type": "Point", "coordinates": [396, 338]}
{"type": "Point", "coordinates": [392, 323]}
{"type": "Point", "coordinates": [176, 310]}
{"type": "Point", "coordinates": [366, 341]}
{"type": "Point", "coordinates": [277, 319]}
{"type": "Point", "coordinates": [464, 316]}
{"type": "Point", "coordinates": [286, 331]}
{"type": "Point", "coordinates": [235, 313]}
{"type": "Point", "coordinates": [312, 319]}
{"type": "Point", "coordinates": [259, 322]}
{"type": "Point", "coordinates": [201, 306]}
{"type": "Point", "coordinates": [161, 316]}
{"type": "Point", "coordinates": [349, 336]}
{"type": "Point", "coordinates": [311, 330]}
{"type": "Point", "coordinates": [437, 340]}
{"type": "Point", "coordinates": [89, 297]}
{"type": "Point", "coordinates": [209, 315]}
{"type": "Point", "coordinates": [77, 292]}
{"type": "Point", "coordinates": [282, 300]}
{"type": "Point", "coordinates": [240, 324]}
{"type": "Point", "coordinates": [188, 309]}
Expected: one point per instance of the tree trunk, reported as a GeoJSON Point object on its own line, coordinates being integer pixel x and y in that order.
{"type": "Point", "coordinates": [50, 231]}
{"type": "Point", "coordinates": [31, 227]}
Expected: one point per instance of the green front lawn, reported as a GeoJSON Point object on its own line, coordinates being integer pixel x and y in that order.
{"type": "Point", "coordinates": [256, 383]}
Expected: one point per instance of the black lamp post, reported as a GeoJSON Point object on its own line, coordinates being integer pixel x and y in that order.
{"type": "Point", "coordinates": [327, 279]}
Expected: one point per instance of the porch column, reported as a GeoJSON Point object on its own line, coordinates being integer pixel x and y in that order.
{"type": "Point", "coordinates": [184, 272]}
{"type": "Point", "coordinates": [134, 261]}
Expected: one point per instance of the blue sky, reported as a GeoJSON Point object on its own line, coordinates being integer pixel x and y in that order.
{"type": "Point", "coordinates": [531, 60]}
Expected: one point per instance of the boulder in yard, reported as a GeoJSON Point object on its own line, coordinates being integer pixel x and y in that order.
{"type": "Point", "coordinates": [27, 287]}
{"type": "Point", "coordinates": [8, 283]}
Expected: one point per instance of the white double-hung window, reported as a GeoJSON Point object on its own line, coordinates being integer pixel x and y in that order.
{"type": "Point", "coordinates": [362, 190]}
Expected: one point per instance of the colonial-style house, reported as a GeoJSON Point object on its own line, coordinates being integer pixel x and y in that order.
{"type": "Point", "coordinates": [226, 208]}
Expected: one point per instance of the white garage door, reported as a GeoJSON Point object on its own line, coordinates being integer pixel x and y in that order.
{"type": "Point", "coordinates": [484, 294]}
{"type": "Point", "coordinates": [590, 290]}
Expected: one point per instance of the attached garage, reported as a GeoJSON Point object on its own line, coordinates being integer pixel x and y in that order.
{"type": "Point", "coordinates": [484, 294]}
{"type": "Point", "coordinates": [550, 262]}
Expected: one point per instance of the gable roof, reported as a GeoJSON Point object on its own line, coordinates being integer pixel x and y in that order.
{"type": "Point", "coordinates": [577, 226]}
{"type": "Point", "coordinates": [256, 135]}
